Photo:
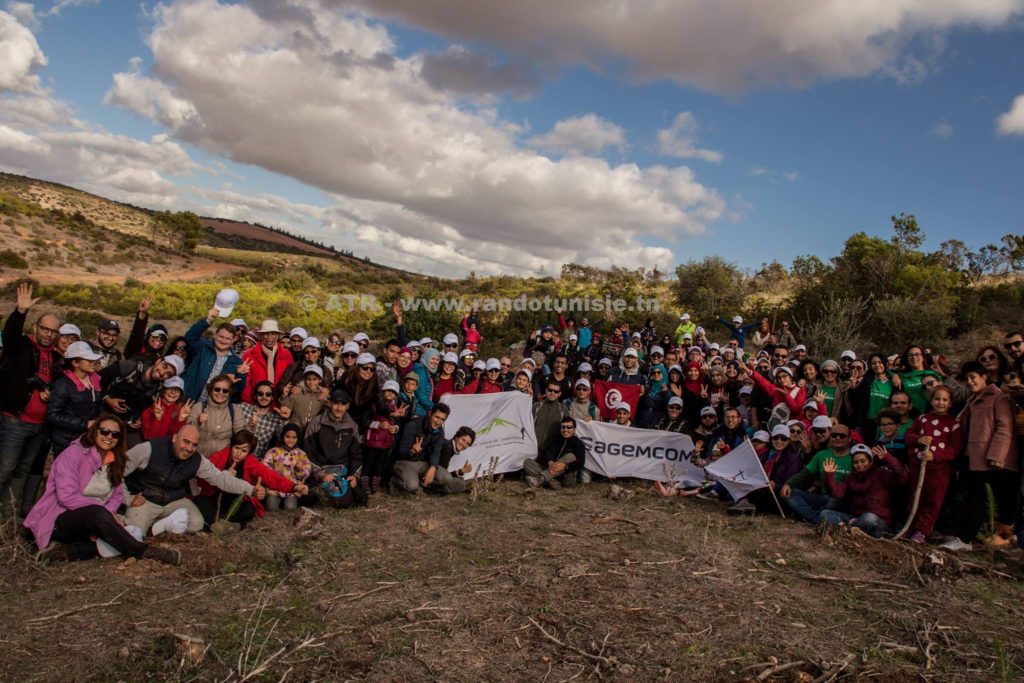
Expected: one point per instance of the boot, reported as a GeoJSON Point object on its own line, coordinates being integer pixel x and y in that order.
{"type": "Point", "coordinates": [375, 485]}
{"type": "Point", "coordinates": [30, 494]}
{"type": "Point", "coordinates": [165, 555]}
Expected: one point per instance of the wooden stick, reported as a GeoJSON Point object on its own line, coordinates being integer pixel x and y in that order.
{"type": "Point", "coordinates": [771, 671]}
{"type": "Point", "coordinates": [778, 505]}
{"type": "Point", "coordinates": [584, 653]}
{"type": "Point", "coordinates": [916, 500]}
{"type": "Point", "coordinates": [67, 613]}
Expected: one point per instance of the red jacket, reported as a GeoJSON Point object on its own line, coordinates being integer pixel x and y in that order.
{"type": "Point", "coordinates": [487, 388]}
{"type": "Point", "coordinates": [252, 471]}
{"type": "Point", "coordinates": [869, 491]}
{"type": "Point", "coordinates": [168, 425]}
{"type": "Point", "coordinates": [258, 368]}
{"type": "Point", "coordinates": [947, 437]}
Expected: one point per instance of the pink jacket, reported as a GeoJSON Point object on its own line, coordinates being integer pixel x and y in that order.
{"type": "Point", "coordinates": [69, 476]}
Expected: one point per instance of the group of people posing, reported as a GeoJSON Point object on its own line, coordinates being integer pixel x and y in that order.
{"type": "Point", "coordinates": [227, 422]}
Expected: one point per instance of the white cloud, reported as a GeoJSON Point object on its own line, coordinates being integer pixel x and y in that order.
{"type": "Point", "coordinates": [24, 12]}
{"type": "Point", "coordinates": [151, 98]}
{"type": "Point", "coordinates": [720, 46]}
{"type": "Point", "coordinates": [417, 174]}
{"type": "Point", "coordinates": [942, 130]}
{"type": "Point", "coordinates": [680, 140]}
{"type": "Point", "coordinates": [789, 176]}
{"type": "Point", "coordinates": [20, 56]}
{"type": "Point", "coordinates": [587, 134]}
{"type": "Point", "coordinates": [459, 70]}
{"type": "Point", "coordinates": [61, 5]}
{"type": "Point", "coordinates": [1012, 122]}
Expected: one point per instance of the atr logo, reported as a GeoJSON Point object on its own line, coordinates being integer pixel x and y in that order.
{"type": "Point", "coordinates": [612, 398]}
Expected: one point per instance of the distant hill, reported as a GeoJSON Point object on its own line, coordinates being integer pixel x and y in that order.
{"type": "Point", "coordinates": [137, 221]}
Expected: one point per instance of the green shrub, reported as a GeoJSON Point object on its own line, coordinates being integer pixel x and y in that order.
{"type": "Point", "coordinates": [10, 259]}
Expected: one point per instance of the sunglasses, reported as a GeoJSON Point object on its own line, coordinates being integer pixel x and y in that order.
{"type": "Point", "coordinates": [780, 355]}
{"type": "Point", "coordinates": [818, 430]}
{"type": "Point", "coordinates": [676, 408]}
{"type": "Point", "coordinates": [1013, 345]}
{"type": "Point", "coordinates": [780, 438]}
{"type": "Point", "coordinates": [349, 355]}
{"type": "Point", "coordinates": [568, 428]}
{"type": "Point", "coordinates": [109, 432]}
{"type": "Point", "coordinates": [708, 417]}
{"type": "Point", "coordinates": [371, 368]}
{"type": "Point", "coordinates": [840, 436]}
{"type": "Point", "coordinates": [265, 394]}
{"type": "Point", "coordinates": [363, 344]}
{"type": "Point", "coordinates": [554, 391]}
{"type": "Point", "coordinates": [220, 390]}
{"type": "Point", "coordinates": [828, 371]}
{"type": "Point", "coordinates": [451, 346]}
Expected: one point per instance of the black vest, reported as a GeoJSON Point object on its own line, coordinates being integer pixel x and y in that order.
{"type": "Point", "coordinates": [165, 478]}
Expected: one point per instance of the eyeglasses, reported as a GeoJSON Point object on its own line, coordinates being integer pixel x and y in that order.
{"type": "Point", "coordinates": [583, 389]}
{"type": "Point", "coordinates": [836, 435]}
{"type": "Point", "coordinates": [988, 358]}
{"type": "Point", "coordinates": [708, 417]}
{"type": "Point", "coordinates": [109, 432]}
{"type": "Point", "coordinates": [265, 394]}
{"type": "Point", "coordinates": [311, 350]}
{"type": "Point", "coordinates": [222, 390]}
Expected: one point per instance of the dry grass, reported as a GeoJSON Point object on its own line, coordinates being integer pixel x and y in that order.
{"type": "Point", "coordinates": [556, 586]}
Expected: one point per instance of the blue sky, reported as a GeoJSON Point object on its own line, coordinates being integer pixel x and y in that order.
{"type": "Point", "coordinates": [475, 173]}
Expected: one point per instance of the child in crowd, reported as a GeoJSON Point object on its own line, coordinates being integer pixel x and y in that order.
{"type": "Point", "coordinates": [168, 413]}
{"type": "Point", "coordinates": [291, 462]}
{"type": "Point", "coordinates": [934, 441]}
{"type": "Point", "coordinates": [865, 492]}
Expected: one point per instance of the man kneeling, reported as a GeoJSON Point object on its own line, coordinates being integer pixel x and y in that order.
{"type": "Point", "coordinates": [559, 465]}
{"type": "Point", "coordinates": [418, 455]}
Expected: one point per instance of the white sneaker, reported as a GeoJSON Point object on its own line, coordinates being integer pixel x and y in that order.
{"type": "Point", "coordinates": [175, 523]}
{"type": "Point", "coordinates": [956, 545]}
{"type": "Point", "coordinates": [533, 482]}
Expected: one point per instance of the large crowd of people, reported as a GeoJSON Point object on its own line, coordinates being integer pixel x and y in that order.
{"type": "Point", "coordinates": [228, 423]}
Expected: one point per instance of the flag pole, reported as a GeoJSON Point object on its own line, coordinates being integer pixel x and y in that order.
{"type": "Point", "coordinates": [771, 490]}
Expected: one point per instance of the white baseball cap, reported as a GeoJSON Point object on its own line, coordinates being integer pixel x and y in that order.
{"type": "Point", "coordinates": [315, 369]}
{"type": "Point", "coordinates": [450, 339]}
{"type": "Point", "coordinates": [622, 405]}
{"type": "Point", "coordinates": [68, 328]}
{"type": "Point", "coordinates": [780, 430]}
{"type": "Point", "coordinates": [684, 316]}
{"type": "Point", "coordinates": [176, 362]}
{"type": "Point", "coordinates": [479, 365]}
{"type": "Point", "coordinates": [450, 357]}
{"type": "Point", "coordinates": [311, 342]}
{"type": "Point", "coordinates": [81, 350]}
{"type": "Point", "coordinates": [811, 404]}
{"type": "Point", "coordinates": [573, 337]}
{"type": "Point", "coordinates": [630, 352]}
{"type": "Point", "coordinates": [675, 401]}
{"type": "Point", "coordinates": [225, 302]}
{"type": "Point", "coordinates": [761, 435]}
{"type": "Point", "coordinates": [745, 389]}
{"type": "Point", "coordinates": [493, 364]}
{"type": "Point", "coordinates": [860, 448]}
{"type": "Point", "coordinates": [799, 347]}
{"type": "Point", "coordinates": [391, 385]}
{"type": "Point", "coordinates": [821, 422]}
{"type": "Point", "coordinates": [365, 359]}
{"type": "Point", "coordinates": [174, 383]}
{"type": "Point", "coordinates": [848, 354]}
{"type": "Point", "coordinates": [414, 344]}
{"type": "Point", "coordinates": [361, 336]}
{"type": "Point", "coordinates": [585, 367]}
{"type": "Point", "coordinates": [298, 332]}
{"type": "Point", "coordinates": [707, 410]}
{"type": "Point", "coordinates": [426, 341]}
{"type": "Point", "coordinates": [465, 352]}
{"type": "Point", "coordinates": [238, 322]}
{"type": "Point", "coordinates": [657, 350]}
{"type": "Point", "coordinates": [687, 335]}
{"type": "Point", "coordinates": [350, 347]}
{"type": "Point", "coordinates": [269, 326]}
{"type": "Point", "coordinates": [738, 319]}
{"type": "Point", "coordinates": [582, 382]}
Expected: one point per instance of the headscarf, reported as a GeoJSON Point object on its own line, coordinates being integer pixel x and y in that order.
{"type": "Point", "coordinates": [694, 386]}
{"type": "Point", "coordinates": [427, 356]}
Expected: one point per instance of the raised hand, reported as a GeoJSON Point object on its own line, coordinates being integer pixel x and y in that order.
{"type": "Point", "coordinates": [25, 300]}
{"type": "Point", "coordinates": [212, 314]}
{"type": "Point", "coordinates": [396, 308]}
{"type": "Point", "coordinates": [285, 412]}
{"type": "Point", "coordinates": [879, 451]}
{"type": "Point", "coordinates": [144, 306]}
{"type": "Point", "coordinates": [829, 466]}
{"type": "Point", "coordinates": [258, 492]}
{"type": "Point", "coordinates": [244, 368]}
{"type": "Point", "coordinates": [158, 408]}
{"type": "Point", "coordinates": [417, 445]}
{"type": "Point", "coordinates": [186, 409]}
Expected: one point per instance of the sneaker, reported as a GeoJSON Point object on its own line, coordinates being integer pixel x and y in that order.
{"type": "Point", "coordinates": [165, 555]}
{"type": "Point", "coordinates": [916, 537]}
{"type": "Point", "coordinates": [533, 482]}
{"type": "Point", "coordinates": [55, 552]}
{"type": "Point", "coordinates": [956, 545]}
{"type": "Point", "coordinates": [743, 507]}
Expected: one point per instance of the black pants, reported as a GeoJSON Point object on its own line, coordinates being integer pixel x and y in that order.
{"type": "Point", "coordinates": [375, 460]}
{"type": "Point", "coordinates": [1005, 487]}
{"type": "Point", "coordinates": [75, 527]}
{"type": "Point", "coordinates": [218, 504]}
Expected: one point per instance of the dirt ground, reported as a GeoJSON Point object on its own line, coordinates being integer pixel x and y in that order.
{"type": "Point", "coordinates": [510, 586]}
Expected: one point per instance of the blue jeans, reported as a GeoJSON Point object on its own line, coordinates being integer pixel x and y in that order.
{"type": "Point", "coordinates": [808, 506]}
{"type": "Point", "coordinates": [19, 446]}
{"type": "Point", "coordinates": [869, 522]}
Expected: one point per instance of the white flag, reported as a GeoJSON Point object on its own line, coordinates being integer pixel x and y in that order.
{"type": "Point", "coordinates": [739, 471]}
{"type": "Point", "coordinates": [617, 451]}
{"type": "Point", "coordinates": [504, 430]}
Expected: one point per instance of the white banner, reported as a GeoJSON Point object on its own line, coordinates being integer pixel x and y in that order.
{"type": "Point", "coordinates": [739, 471]}
{"type": "Point", "coordinates": [504, 430]}
{"type": "Point", "coordinates": [617, 451]}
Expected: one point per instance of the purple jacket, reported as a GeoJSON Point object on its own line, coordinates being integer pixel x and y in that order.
{"type": "Point", "coordinates": [69, 476]}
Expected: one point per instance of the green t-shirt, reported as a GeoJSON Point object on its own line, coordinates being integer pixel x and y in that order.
{"type": "Point", "coordinates": [881, 392]}
{"type": "Point", "coordinates": [830, 397]}
{"type": "Point", "coordinates": [912, 385]}
{"type": "Point", "coordinates": [814, 471]}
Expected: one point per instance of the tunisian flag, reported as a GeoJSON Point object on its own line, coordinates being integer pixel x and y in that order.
{"type": "Point", "coordinates": [608, 394]}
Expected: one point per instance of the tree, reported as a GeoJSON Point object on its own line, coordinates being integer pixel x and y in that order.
{"type": "Point", "coordinates": [182, 229]}
{"type": "Point", "coordinates": [710, 287]}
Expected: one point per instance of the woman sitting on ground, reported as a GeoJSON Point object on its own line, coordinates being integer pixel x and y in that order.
{"type": "Point", "coordinates": [83, 493]}
{"type": "Point", "coordinates": [866, 490]}
{"type": "Point", "coordinates": [239, 460]}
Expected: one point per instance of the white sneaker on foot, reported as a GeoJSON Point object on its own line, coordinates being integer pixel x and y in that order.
{"type": "Point", "coordinates": [956, 545]}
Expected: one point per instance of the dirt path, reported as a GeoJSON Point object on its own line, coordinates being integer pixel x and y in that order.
{"type": "Point", "coordinates": [198, 270]}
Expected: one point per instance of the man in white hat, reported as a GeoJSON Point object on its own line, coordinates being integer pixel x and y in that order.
{"type": "Point", "coordinates": [292, 379]}
{"type": "Point", "coordinates": [132, 385]}
{"type": "Point", "coordinates": [738, 330]}
{"type": "Point", "coordinates": [628, 371]}
{"type": "Point", "coordinates": [673, 421]}
{"type": "Point", "coordinates": [560, 464]}
{"type": "Point", "coordinates": [295, 339]}
{"type": "Point", "coordinates": [267, 361]}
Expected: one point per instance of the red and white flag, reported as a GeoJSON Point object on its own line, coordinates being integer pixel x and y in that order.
{"type": "Point", "coordinates": [607, 395]}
